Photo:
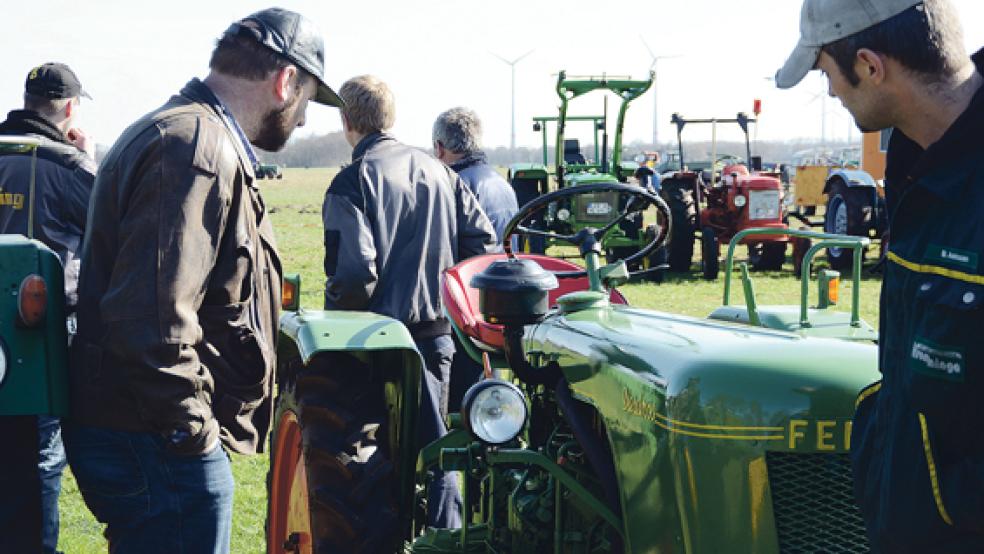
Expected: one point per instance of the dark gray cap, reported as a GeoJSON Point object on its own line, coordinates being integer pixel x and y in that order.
{"type": "Point", "coordinates": [826, 21]}
{"type": "Point", "coordinates": [296, 38]}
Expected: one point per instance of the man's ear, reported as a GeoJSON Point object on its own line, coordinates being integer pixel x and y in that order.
{"type": "Point", "coordinates": [345, 123]}
{"type": "Point", "coordinates": [283, 83]}
{"type": "Point", "coordinates": [870, 66]}
{"type": "Point", "coordinates": [69, 108]}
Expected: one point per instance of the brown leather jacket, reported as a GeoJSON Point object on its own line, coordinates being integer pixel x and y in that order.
{"type": "Point", "coordinates": [179, 295]}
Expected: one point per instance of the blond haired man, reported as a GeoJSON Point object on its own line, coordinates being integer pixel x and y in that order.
{"type": "Point", "coordinates": [394, 220]}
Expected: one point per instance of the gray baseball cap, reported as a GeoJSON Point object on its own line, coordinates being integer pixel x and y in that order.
{"type": "Point", "coordinates": [826, 21]}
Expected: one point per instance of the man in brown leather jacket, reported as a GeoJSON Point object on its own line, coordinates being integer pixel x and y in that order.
{"type": "Point", "coordinates": [180, 294]}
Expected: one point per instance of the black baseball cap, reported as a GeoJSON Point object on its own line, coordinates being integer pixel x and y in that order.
{"type": "Point", "coordinates": [54, 81]}
{"type": "Point", "coordinates": [296, 38]}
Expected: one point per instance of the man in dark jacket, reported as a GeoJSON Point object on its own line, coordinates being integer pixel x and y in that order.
{"type": "Point", "coordinates": [916, 445]}
{"type": "Point", "coordinates": [457, 137]}
{"type": "Point", "coordinates": [64, 173]}
{"type": "Point", "coordinates": [395, 219]}
{"type": "Point", "coordinates": [180, 294]}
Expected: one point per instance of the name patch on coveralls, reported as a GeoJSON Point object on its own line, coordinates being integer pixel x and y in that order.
{"type": "Point", "coordinates": [952, 257]}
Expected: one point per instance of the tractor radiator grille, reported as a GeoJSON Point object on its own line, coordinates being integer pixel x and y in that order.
{"type": "Point", "coordinates": [813, 502]}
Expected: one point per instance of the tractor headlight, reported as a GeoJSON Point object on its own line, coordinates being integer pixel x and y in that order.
{"type": "Point", "coordinates": [740, 200]}
{"type": "Point", "coordinates": [494, 411]}
{"type": "Point", "coordinates": [563, 214]}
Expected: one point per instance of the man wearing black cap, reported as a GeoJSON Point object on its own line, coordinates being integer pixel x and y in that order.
{"type": "Point", "coordinates": [180, 294]}
{"type": "Point", "coordinates": [917, 443]}
{"type": "Point", "coordinates": [64, 174]}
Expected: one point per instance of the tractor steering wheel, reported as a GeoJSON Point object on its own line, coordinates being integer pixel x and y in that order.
{"type": "Point", "coordinates": [640, 199]}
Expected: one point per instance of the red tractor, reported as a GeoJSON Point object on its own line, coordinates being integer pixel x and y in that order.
{"type": "Point", "coordinates": [722, 200]}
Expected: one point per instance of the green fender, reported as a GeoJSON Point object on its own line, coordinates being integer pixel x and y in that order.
{"type": "Point", "coordinates": [33, 361]}
{"type": "Point", "coordinates": [315, 331]}
{"type": "Point", "coordinates": [379, 341]}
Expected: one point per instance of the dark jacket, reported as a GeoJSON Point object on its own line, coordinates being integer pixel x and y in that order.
{"type": "Point", "coordinates": [63, 183]}
{"type": "Point", "coordinates": [180, 293]}
{"type": "Point", "coordinates": [918, 435]}
{"type": "Point", "coordinates": [494, 194]}
{"type": "Point", "coordinates": [394, 220]}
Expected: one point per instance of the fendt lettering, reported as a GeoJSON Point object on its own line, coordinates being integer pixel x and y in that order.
{"type": "Point", "coordinates": [827, 436]}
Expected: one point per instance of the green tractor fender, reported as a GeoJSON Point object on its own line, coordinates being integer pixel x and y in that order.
{"type": "Point", "coordinates": [33, 358]}
{"type": "Point", "coordinates": [354, 376]}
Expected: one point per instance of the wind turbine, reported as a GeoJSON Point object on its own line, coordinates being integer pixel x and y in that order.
{"type": "Point", "coordinates": [512, 66]}
{"type": "Point", "coordinates": [652, 67]}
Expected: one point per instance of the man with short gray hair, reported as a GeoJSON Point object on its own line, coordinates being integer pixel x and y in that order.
{"type": "Point", "coordinates": [457, 137]}
{"type": "Point", "coordinates": [916, 446]}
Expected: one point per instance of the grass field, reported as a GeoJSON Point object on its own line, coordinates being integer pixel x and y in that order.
{"type": "Point", "coordinates": [295, 206]}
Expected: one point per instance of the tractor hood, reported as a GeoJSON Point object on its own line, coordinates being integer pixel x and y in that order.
{"type": "Point", "coordinates": [718, 431]}
{"type": "Point", "coordinates": [703, 374]}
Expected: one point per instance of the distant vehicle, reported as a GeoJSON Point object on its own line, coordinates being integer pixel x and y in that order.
{"type": "Point", "coordinates": [854, 199]}
{"type": "Point", "coordinates": [715, 204]}
{"type": "Point", "coordinates": [558, 220]}
{"type": "Point", "coordinates": [269, 171]}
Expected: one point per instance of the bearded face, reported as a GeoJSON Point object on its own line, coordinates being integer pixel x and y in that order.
{"type": "Point", "coordinates": [279, 123]}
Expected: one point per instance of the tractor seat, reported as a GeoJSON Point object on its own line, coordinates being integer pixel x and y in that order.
{"type": "Point", "coordinates": [461, 299]}
{"type": "Point", "coordinates": [572, 152]}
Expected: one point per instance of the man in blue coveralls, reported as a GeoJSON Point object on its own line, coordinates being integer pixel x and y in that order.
{"type": "Point", "coordinates": [916, 445]}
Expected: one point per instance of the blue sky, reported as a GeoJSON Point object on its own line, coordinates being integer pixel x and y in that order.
{"type": "Point", "coordinates": [437, 54]}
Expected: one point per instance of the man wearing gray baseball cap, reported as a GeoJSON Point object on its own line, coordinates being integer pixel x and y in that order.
{"type": "Point", "coordinates": [917, 445]}
{"type": "Point", "coordinates": [179, 298]}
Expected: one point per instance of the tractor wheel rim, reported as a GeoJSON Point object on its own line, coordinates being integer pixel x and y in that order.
{"type": "Point", "coordinates": [290, 519]}
{"type": "Point", "coordinates": [840, 223]}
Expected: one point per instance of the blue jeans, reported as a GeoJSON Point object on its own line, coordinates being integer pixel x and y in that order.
{"type": "Point", "coordinates": [150, 499]}
{"type": "Point", "coordinates": [443, 499]}
{"type": "Point", "coordinates": [51, 464]}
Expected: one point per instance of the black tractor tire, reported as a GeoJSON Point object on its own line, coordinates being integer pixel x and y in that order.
{"type": "Point", "coordinates": [800, 248]}
{"type": "Point", "coordinates": [657, 258]}
{"type": "Point", "coordinates": [350, 478]}
{"type": "Point", "coordinates": [679, 195]}
{"type": "Point", "coordinates": [710, 250]}
{"type": "Point", "coordinates": [767, 256]}
{"type": "Point", "coordinates": [847, 209]}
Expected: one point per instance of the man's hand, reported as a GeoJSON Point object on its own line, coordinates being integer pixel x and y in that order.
{"type": "Point", "coordinates": [82, 141]}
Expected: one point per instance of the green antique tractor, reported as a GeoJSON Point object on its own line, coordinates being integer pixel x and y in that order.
{"type": "Point", "coordinates": [33, 374]}
{"type": "Point", "coordinates": [598, 427]}
{"type": "Point", "coordinates": [269, 171]}
{"type": "Point", "coordinates": [571, 168]}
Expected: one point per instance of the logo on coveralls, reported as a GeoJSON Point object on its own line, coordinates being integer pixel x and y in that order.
{"type": "Point", "coordinates": [12, 199]}
{"type": "Point", "coordinates": [936, 361]}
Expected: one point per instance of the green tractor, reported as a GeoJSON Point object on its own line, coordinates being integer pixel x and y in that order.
{"type": "Point", "coordinates": [33, 373]}
{"type": "Point", "coordinates": [269, 171]}
{"type": "Point", "coordinates": [530, 181]}
{"type": "Point", "coordinates": [598, 428]}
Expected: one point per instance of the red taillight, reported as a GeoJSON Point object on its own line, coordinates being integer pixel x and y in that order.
{"type": "Point", "coordinates": [32, 300]}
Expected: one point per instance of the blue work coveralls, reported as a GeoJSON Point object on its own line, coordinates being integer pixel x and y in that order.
{"type": "Point", "coordinates": [917, 444]}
